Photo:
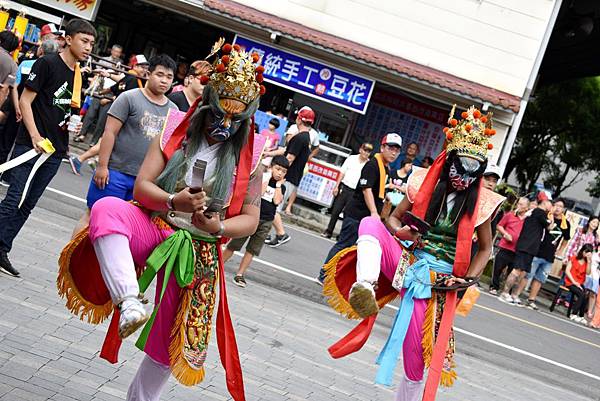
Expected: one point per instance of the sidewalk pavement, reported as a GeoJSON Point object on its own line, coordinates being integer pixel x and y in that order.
{"type": "Point", "coordinates": [48, 354]}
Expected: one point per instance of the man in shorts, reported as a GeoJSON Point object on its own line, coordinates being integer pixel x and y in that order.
{"type": "Point", "coordinates": [273, 192]}
{"type": "Point", "coordinates": [528, 247]}
{"type": "Point", "coordinates": [542, 262]}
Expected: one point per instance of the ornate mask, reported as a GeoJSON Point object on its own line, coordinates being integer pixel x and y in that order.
{"type": "Point", "coordinates": [463, 172]}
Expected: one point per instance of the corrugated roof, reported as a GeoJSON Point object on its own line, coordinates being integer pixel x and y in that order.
{"type": "Point", "coordinates": [365, 54]}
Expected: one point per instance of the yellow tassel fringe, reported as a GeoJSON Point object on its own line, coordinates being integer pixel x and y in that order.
{"type": "Point", "coordinates": [76, 304]}
{"type": "Point", "coordinates": [180, 368]}
{"type": "Point", "coordinates": [335, 299]}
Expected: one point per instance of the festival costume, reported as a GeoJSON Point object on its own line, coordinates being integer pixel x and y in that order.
{"type": "Point", "coordinates": [422, 329]}
{"type": "Point", "coordinates": [115, 260]}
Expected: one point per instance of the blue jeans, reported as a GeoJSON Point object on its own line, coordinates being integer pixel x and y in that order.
{"type": "Point", "coordinates": [540, 268]}
{"type": "Point", "coordinates": [347, 238]}
{"type": "Point", "coordinates": [12, 218]}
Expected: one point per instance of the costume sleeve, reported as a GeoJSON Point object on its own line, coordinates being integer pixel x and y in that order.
{"type": "Point", "coordinates": [39, 75]}
{"type": "Point", "coordinates": [121, 107]}
{"type": "Point", "coordinates": [368, 176]}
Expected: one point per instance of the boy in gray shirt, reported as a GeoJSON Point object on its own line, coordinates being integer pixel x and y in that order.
{"type": "Point", "coordinates": [136, 116]}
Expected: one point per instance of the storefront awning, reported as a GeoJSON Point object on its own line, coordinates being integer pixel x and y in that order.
{"type": "Point", "coordinates": [362, 53]}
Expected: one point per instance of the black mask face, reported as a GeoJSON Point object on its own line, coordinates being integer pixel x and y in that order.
{"type": "Point", "coordinates": [464, 171]}
{"type": "Point", "coordinates": [220, 125]}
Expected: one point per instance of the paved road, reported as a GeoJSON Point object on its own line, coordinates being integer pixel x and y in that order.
{"type": "Point", "coordinates": [504, 353]}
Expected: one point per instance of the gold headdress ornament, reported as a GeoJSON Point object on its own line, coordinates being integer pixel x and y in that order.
{"type": "Point", "coordinates": [471, 135]}
{"type": "Point", "coordinates": [235, 75]}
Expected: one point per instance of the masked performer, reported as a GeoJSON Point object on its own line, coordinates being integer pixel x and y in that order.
{"type": "Point", "coordinates": [174, 234]}
{"type": "Point", "coordinates": [360, 280]}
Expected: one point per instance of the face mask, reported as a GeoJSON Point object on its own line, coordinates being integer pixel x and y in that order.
{"type": "Point", "coordinates": [217, 129]}
{"type": "Point", "coordinates": [463, 172]}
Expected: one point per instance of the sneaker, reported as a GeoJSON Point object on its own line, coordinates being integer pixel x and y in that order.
{"type": "Point", "coordinates": [284, 238]}
{"type": "Point", "coordinates": [362, 299]}
{"type": "Point", "coordinates": [133, 316]}
{"type": "Point", "coordinates": [326, 234]}
{"type": "Point", "coordinates": [6, 266]}
{"type": "Point", "coordinates": [320, 281]}
{"type": "Point", "coordinates": [493, 291]}
{"type": "Point", "coordinates": [272, 241]}
{"type": "Point", "coordinates": [577, 319]}
{"type": "Point", "coordinates": [517, 302]}
{"type": "Point", "coordinates": [239, 280]}
{"type": "Point", "coordinates": [506, 298]}
{"type": "Point", "coordinates": [75, 165]}
{"type": "Point", "coordinates": [531, 304]}
{"type": "Point", "coordinates": [278, 240]}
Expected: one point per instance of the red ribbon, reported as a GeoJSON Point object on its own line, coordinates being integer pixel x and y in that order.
{"type": "Point", "coordinates": [228, 351]}
{"type": "Point", "coordinates": [440, 347]}
{"type": "Point", "coordinates": [354, 340]}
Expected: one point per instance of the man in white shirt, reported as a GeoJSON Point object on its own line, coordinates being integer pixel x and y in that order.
{"type": "Point", "coordinates": [346, 184]}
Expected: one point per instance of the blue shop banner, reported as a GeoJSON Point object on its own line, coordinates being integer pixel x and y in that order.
{"type": "Point", "coordinates": [311, 77]}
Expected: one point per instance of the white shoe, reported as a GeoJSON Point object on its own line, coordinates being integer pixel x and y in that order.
{"type": "Point", "coordinates": [133, 316]}
{"type": "Point", "coordinates": [506, 298]}
{"type": "Point", "coordinates": [517, 302]}
{"type": "Point", "coordinates": [362, 299]}
{"type": "Point", "coordinates": [577, 319]}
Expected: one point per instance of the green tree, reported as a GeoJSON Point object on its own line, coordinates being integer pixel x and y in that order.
{"type": "Point", "coordinates": [558, 136]}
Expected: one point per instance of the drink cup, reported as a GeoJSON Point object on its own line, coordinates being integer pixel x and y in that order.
{"type": "Point", "coordinates": [74, 121]}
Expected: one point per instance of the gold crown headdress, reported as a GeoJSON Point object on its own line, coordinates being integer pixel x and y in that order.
{"type": "Point", "coordinates": [235, 74]}
{"type": "Point", "coordinates": [471, 135]}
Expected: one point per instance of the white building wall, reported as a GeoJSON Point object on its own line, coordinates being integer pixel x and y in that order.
{"type": "Point", "coordinates": [491, 42]}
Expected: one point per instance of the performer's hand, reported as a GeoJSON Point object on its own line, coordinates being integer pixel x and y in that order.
{"type": "Point", "coordinates": [210, 223]}
{"type": "Point", "coordinates": [101, 177]}
{"type": "Point", "coordinates": [185, 201]}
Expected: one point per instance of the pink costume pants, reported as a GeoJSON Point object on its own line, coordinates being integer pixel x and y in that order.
{"type": "Point", "coordinates": [375, 244]}
{"type": "Point", "coordinates": [124, 236]}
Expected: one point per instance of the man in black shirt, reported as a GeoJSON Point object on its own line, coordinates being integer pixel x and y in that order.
{"type": "Point", "coordinates": [542, 262]}
{"type": "Point", "coordinates": [528, 246]}
{"type": "Point", "coordinates": [297, 153]}
{"type": "Point", "coordinates": [369, 195]}
{"type": "Point", "coordinates": [47, 103]}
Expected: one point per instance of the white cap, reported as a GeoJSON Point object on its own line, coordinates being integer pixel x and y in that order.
{"type": "Point", "coordinates": [392, 139]}
{"type": "Point", "coordinates": [140, 59]}
{"type": "Point", "coordinates": [493, 169]}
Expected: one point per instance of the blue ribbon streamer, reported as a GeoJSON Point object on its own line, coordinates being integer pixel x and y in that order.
{"type": "Point", "coordinates": [417, 282]}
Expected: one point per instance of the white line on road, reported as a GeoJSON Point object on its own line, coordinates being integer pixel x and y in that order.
{"type": "Point", "coordinates": [459, 330]}
{"type": "Point", "coordinates": [57, 191]}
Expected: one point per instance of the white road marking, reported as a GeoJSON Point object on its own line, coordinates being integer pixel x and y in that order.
{"type": "Point", "coordinates": [57, 191]}
{"type": "Point", "coordinates": [458, 330]}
